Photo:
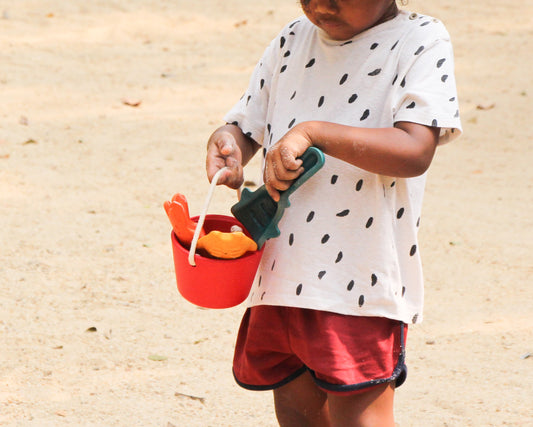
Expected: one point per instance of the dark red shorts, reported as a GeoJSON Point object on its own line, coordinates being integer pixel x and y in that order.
{"type": "Point", "coordinates": [344, 354]}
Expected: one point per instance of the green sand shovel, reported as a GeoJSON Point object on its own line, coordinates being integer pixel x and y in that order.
{"type": "Point", "coordinates": [260, 214]}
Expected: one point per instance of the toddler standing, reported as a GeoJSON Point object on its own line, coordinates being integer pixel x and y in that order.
{"type": "Point", "coordinates": [373, 88]}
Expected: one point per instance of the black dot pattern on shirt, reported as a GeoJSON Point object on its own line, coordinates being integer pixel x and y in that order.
{"type": "Point", "coordinates": [345, 78]}
{"type": "Point", "coordinates": [294, 23]}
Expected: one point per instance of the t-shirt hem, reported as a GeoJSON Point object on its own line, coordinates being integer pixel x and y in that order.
{"type": "Point", "coordinates": [374, 311]}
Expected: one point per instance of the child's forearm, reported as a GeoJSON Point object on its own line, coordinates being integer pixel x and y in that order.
{"type": "Point", "coordinates": [402, 151]}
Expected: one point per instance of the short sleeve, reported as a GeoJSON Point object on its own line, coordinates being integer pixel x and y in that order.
{"type": "Point", "coordinates": [250, 112]}
{"type": "Point", "coordinates": [427, 92]}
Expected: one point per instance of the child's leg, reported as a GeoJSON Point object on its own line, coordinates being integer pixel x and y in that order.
{"type": "Point", "coordinates": [370, 408]}
{"type": "Point", "coordinates": [301, 403]}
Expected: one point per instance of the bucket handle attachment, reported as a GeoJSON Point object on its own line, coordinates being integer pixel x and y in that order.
{"type": "Point", "coordinates": [203, 214]}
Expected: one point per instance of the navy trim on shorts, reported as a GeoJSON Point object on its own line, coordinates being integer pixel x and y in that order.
{"type": "Point", "coordinates": [399, 374]}
{"type": "Point", "coordinates": [287, 380]}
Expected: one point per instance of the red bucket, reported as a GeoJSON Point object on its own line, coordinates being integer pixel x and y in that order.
{"type": "Point", "coordinates": [215, 283]}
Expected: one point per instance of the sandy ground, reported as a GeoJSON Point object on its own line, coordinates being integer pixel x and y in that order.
{"type": "Point", "coordinates": [106, 108]}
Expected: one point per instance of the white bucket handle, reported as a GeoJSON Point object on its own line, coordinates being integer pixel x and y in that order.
{"type": "Point", "coordinates": [203, 214]}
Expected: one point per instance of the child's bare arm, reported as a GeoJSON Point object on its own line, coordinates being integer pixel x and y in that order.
{"type": "Point", "coordinates": [405, 150]}
{"type": "Point", "coordinates": [228, 146]}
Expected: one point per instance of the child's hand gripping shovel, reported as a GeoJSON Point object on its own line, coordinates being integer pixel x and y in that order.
{"type": "Point", "coordinates": [260, 214]}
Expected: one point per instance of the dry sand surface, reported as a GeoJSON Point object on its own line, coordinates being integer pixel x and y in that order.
{"type": "Point", "coordinates": [105, 109]}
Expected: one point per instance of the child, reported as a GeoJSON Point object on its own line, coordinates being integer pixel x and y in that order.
{"type": "Point", "coordinates": [372, 87]}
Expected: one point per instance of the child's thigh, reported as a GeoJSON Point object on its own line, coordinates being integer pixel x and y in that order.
{"type": "Point", "coordinates": [373, 407]}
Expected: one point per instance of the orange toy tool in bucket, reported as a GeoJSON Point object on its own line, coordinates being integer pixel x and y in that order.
{"type": "Point", "coordinates": [214, 283]}
{"type": "Point", "coordinates": [210, 282]}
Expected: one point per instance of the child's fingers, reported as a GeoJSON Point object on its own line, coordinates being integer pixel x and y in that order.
{"type": "Point", "coordinates": [288, 159]}
{"type": "Point", "coordinates": [224, 152]}
{"type": "Point", "coordinates": [278, 179]}
{"type": "Point", "coordinates": [232, 177]}
{"type": "Point", "coordinates": [283, 165]}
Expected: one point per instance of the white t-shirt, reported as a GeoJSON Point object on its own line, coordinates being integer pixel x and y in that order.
{"type": "Point", "coordinates": [348, 241]}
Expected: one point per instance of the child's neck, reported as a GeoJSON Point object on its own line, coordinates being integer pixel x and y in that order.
{"type": "Point", "coordinates": [390, 13]}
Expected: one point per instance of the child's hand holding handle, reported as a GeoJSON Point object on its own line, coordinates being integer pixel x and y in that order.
{"type": "Point", "coordinates": [229, 147]}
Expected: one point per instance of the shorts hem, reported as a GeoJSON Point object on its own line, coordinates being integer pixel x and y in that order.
{"type": "Point", "coordinates": [279, 384]}
{"type": "Point", "coordinates": [398, 377]}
